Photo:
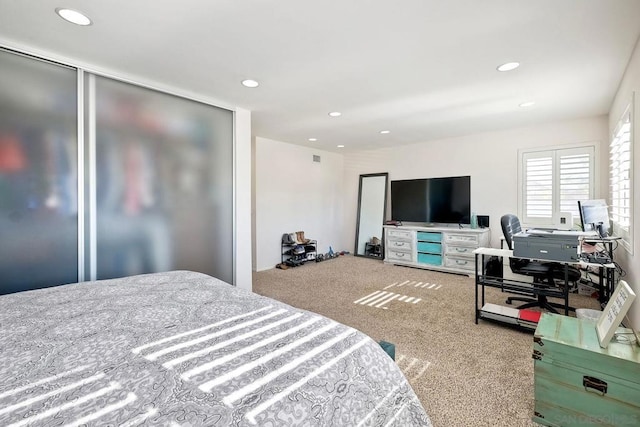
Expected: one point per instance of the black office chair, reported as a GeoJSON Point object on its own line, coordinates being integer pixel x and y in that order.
{"type": "Point", "coordinates": [543, 273]}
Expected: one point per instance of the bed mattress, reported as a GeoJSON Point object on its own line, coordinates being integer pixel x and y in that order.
{"type": "Point", "coordinates": [185, 349]}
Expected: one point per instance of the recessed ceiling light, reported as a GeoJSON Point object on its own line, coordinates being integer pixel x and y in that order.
{"type": "Point", "coordinates": [73, 16]}
{"type": "Point", "coordinates": [508, 66]}
{"type": "Point", "coordinates": [341, 146]}
{"type": "Point", "coordinates": [385, 131]}
{"type": "Point", "coordinates": [313, 139]}
{"type": "Point", "coordinates": [250, 83]}
{"type": "Point", "coordinates": [527, 104]}
{"type": "Point", "coordinates": [335, 114]}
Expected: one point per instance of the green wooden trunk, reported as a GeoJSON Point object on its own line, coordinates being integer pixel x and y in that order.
{"type": "Point", "coordinates": [577, 383]}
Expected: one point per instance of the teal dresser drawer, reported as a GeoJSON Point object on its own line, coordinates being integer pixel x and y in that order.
{"type": "Point", "coordinates": [428, 236]}
{"type": "Point", "coordinates": [432, 248]}
{"type": "Point", "coordinates": [430, 259]}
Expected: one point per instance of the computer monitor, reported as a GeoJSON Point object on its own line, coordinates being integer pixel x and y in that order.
{"type": "Point", "coordinates": [594, 215]}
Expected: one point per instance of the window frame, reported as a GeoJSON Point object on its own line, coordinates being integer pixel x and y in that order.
{"type": "Point", "coordinates": [624, 233]}
{"type": "Point", "coordinates": [591, 147]}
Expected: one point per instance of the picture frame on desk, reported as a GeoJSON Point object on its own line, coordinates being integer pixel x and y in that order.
{"type": "Point", "coordinates": [614, 312]}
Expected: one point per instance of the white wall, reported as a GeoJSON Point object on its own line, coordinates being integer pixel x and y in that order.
{"type": "Point", "coordinates": [630, 262]}
{"type": "Point", "coordinates": [242, 209]}
{"type": "Point", "coordinates": [293, 193]}
{"type": "Point", "coordinates": [490, 158]}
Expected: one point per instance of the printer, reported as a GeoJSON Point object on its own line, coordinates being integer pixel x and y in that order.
{"type": "Point", "coordinates": [546, 244]}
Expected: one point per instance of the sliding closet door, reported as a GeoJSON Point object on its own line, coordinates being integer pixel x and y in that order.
{"type": "Point", "coordinates": [38, 174]}
{"type": "Point", "coordinates": [164, 182]}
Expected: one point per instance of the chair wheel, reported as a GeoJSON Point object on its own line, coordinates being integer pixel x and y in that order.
{"type": "Point", "coordinates": [508, 302]}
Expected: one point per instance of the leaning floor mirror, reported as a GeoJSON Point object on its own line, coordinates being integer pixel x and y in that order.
{"type": "Point", "coordinates": [372, 202]}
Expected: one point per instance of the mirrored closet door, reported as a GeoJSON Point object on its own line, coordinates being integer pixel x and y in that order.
{"type": "Point", "coordinates": [150, 173]}
{"type": "Point", "coordinates": [38, 174]}
{"type": "Point", "coordinates": [164, 195]}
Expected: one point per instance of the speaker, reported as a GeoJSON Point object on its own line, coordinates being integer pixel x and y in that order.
{"type": "Point", "coordinates": [483, 221]}
{"type": "Point", "coordinates": [563, 221]}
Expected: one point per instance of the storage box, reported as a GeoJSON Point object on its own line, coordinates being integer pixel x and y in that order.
{"type": "Point", "coordinates": [578, 383]}
{"type": "Point", "coordinates": [587, 290]}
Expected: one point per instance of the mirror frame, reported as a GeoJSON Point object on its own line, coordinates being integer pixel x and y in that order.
{"type": "Point", "coordinates": [383, 208]}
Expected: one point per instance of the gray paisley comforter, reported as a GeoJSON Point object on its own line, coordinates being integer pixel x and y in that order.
{"type": "Point", "coordinates": [185, 349]}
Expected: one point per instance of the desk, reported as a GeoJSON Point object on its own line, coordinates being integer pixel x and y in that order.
{"type": "Point", "coordinates": [519, 284]}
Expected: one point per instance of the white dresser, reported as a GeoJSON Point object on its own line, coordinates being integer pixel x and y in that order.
{"type": "Point", "coordinates": [435, 248]}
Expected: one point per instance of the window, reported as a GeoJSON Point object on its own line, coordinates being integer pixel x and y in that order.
{"type": "Point", "coordinates": [620, 180]}
{"type": "Point", "coordinates": [553, 180]}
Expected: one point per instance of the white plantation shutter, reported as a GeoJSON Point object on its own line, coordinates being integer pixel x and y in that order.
{"type": "Point", "coordinates": [575, 181]}
{"type": "Point", "coordinates": [553, 181]}
{"type": "Point", "coordinates": [538, 186]}
{"type": "Point", "coordinates": [620, 173]}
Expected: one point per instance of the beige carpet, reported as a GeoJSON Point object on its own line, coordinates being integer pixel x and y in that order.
{"type": "Point", "coordinates": [464, 374]}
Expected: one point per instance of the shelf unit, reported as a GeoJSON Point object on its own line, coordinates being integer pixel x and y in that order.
{"type": "Point", "coordinates": [373, 250]}
{"type": "Point", "coordinates": [519, 284]}
{"type": "Point", "coordinates": [510, 282]}
{"type": "Point", "coordinates": [290, 258]}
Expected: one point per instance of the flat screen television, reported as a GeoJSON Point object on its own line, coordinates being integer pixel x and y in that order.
{"type": "Point", "coordinates": [432, 200]}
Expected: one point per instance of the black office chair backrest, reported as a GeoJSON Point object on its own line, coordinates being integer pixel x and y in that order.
{"type": "Point", "coordinates": [510, 226]}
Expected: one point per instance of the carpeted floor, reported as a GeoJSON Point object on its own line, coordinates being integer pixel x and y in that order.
{"type": "Point", "coordinates": [464, 374]}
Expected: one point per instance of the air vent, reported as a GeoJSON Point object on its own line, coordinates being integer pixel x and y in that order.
{"type": "Point", "coordinates": [316, 158]}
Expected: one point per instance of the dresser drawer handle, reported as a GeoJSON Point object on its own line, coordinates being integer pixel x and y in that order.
{"type": "Point", "coordinates": [399, 255]}
{"type": "Point", "coordinates": [594, 383]}
{"type": "Point", "coordinates": [462, 250]}
{"type": "Point", "coordinates": [398, 244]}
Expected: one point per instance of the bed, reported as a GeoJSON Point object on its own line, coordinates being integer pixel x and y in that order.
{"type": "Point", "coordinates": [184, 349]}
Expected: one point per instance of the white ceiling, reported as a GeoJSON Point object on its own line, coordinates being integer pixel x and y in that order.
{"type": "Point", "coordinates": [423, 69]}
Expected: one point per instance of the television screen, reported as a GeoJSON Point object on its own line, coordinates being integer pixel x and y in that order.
{"type": "Point", "coordinates": [432, 200]}
{"type": "Point", "coordinates": [594, 215]}
{"type": "Point", "coordinates": [409, 200]}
